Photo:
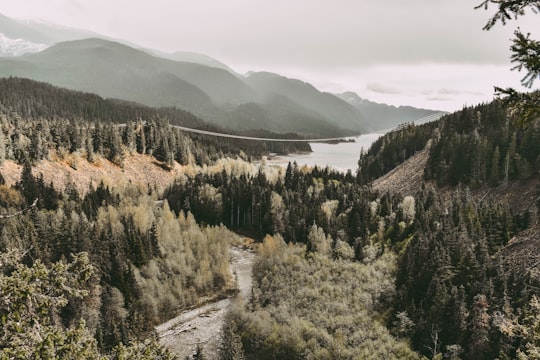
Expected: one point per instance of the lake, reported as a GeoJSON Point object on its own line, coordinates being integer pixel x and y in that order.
{"type": "Point", "coordinates": [341, 156]}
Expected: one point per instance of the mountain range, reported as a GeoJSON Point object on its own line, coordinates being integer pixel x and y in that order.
{"type": "Point", "coordinates": [82, 60]}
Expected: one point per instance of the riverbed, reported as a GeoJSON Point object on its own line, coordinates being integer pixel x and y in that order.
{"type": "Point", "coordinates": [202, 326]}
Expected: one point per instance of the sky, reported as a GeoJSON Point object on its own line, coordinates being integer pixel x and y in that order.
{"type": "Point", "coordinates": [425, 53]}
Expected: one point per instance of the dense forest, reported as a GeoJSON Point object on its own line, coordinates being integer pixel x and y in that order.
{"type": "Point", "coordinates": [142, 263]}
{"type": "Point", "coordinates": [344, 270]}
{"type": "Point", "coordinates": [476, 146]}
{"type": "Point", "coordinates": [37, 119]}
{"type": "Point", "coordinates": [450, 276]}
{"type": "Point", "coordinates": [147, 262]}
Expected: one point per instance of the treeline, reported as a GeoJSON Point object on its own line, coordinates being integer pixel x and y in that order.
{"type": "Point", "coordinates": [286, 205]}
{"type": "Point", "coordinates": [480, 145]}
{"type": "Point", "coordinates": [149, 263]}
{"type": "Point", "coordinates": [289, 205]}
{"type": "Point", "coordinates": [37, 117]}
{"type": "Point", "coordinates": [33, 100]}
{"type": "Point", "coordinates": [457, 295]}
{"type": "Point", "coordinates": [476, 146]}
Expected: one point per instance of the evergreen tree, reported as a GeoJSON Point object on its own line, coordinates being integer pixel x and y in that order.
{"type": "Point", "coordinates": [494, 173]}
{"type": "Point", "coordinates": [525, 107]}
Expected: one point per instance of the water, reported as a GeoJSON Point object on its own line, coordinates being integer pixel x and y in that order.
{"type": "Point", "coordinates": [341, 156]}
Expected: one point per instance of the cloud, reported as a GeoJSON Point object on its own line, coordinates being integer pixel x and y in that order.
{"type": "Point", "coordinates": [450, 91]}
{"type": "Point", "coordinates": [440, 98]}
{"type": "Point", "coordinates": [316, 33]}
{"type": "Point", "coordinates": [383, 89]}
{"type": "Point", "coordinates": [447, 91]}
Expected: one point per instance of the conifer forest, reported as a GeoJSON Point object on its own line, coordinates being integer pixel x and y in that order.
{"type": "Point", "coordinates": [120, 228]}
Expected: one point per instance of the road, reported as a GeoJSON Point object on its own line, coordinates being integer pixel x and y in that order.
{"type": "Point", "coordinates": [212, 133]}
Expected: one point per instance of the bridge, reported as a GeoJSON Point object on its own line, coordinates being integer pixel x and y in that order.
{"type": "Point", "coordinates": [432, 117]}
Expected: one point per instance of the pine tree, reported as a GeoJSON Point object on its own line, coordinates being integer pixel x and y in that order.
{"type": "Point", "coordinates": [479, 342]}
{"type": "Point", "coordinates": [494, 171]}
{"type": "Point", "coordinates": [524, 107]}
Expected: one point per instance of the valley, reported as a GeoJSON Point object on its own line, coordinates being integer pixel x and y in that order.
{"type": "Point", "coordinates": [153, 209]}
{"type": "Point", "coordinates": [341, 263]}
{"type": "Point", "coordinates": [157, 203]}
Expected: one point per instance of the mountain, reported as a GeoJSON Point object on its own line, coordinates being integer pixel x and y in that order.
{"type": "Point", "coordinates": [328, 106]}
{"type": "Point", "coordinates": [19, 37]}
{"type": "Point", "coordinates": [86, 61]}
{"type": "Point", "coordinates": [259, 100]}
{"type": "Point", "coordinates": [111, 69]}
{"type": "Point", "coordinates": [107, 69]}
{"type": "Point", "coordinates": [114, 70]}
{"type": "Point", "coordinates": [382, 116]}
{"type": "Point", "coordinates": [281, 114]}
{"type": "Point", "coordinates": [192, 57]}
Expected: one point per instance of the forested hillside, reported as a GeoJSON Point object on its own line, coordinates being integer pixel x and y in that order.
{"type": "Point", "coordinates": [37, 118]}
{"type": "Point", "coordinates": [468, 278]}
{"type": "Point", "coordinates": [475, 147]}
{"type": "Point", "coordinates": [455, 292]}
{"type": "Point", "coordinates": [467, 250]}
{"type": "Point", "coordinates": [127, 261]}
{"type": "Point", "coordinates": [346, 271]}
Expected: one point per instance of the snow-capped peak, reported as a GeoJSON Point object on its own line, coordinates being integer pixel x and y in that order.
{"type": "Point", "coordinates": [16, 47]}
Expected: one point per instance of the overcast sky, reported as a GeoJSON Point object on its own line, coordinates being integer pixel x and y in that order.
{"type": "Point", "coordinates": [426, 53]}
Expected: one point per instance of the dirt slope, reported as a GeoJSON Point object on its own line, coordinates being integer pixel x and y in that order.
{"type": "Point", "coordinates": [137, 169]}
{"type": "Point", "coordinates": [406, 178]}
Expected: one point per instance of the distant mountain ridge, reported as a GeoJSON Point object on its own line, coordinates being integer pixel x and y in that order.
{"type": "Point", "coordinates": [382, 116]}
{"type": "Point", "coordinates": [306, 95]}
{"type": "Point", "coordinates": [188, 56]}
{"type": "Point", "coordinates": [111, 69]}
{"type": "Point", "coordinates": [194, 82]}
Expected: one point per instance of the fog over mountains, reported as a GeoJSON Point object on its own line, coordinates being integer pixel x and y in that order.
{"type": "Point", "coordinates": [82, 60]}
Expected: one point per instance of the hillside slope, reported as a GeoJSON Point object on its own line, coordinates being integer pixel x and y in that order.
{"type": "Point", "coordinates": [406, 178]}
{"type": "Point", "coordinates": [330, 107]}
{"type": "Point", "coordinates": [114, 70]}
{"type": "Point", "coordinates": [138, 169]}
{"type": "Point", "coordinates": [473, 178]}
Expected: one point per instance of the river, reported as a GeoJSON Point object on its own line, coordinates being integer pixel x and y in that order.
{"type": "Point", "coordinates": [341, 156]}
{"type": "Point", "coordinates": [202, 326]}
